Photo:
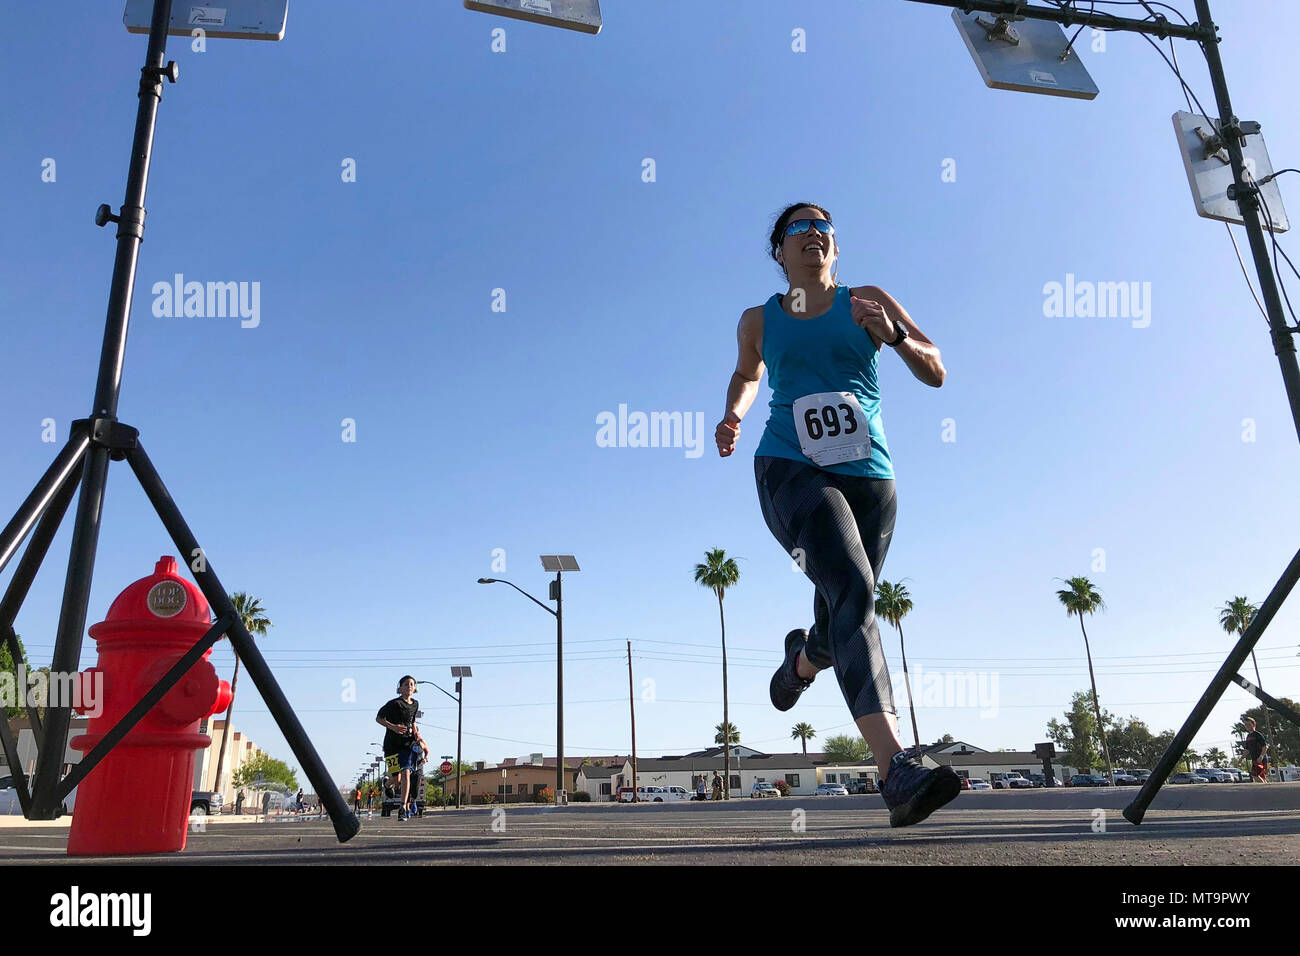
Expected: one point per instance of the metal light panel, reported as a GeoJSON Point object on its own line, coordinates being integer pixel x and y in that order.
{"type": "Point", "coordinates": [559, 562]}
{"type": "Point", "coordinates": [580, 15]}
{"type": "Point", "coordinates": [462, 672]}
{"type": "Point", "coordinates": [1210, 174]}
{"type": "Point", "coordinates": [1030, 64]}
{"type": "Point", "coordinates": [226, 19]}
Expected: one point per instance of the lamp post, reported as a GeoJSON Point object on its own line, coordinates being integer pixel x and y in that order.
{"type": "Point", "coordinates": [558, 563]}
{"type": "Point", "coordinates": [459, 697]}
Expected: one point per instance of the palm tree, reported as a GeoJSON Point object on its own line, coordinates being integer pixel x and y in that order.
{"type": "Point", "coordinates": [733, 734]}
{"type": "Point", "coordinates": [718, 573]}
{"type": "Point", "coordinates": [1080, 597]}
{"type": "Point", "coordinates": [1234, 617]}
{"type": "Point", "coordinates": [803, 733]}
{"type": "Point", "coordinates": [893, 603]}
{"type": "Point", "coordinates": [252, 614]}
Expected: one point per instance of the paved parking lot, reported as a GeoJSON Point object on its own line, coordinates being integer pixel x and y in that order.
{"type": "Point", "coordinates": [1244, 824]}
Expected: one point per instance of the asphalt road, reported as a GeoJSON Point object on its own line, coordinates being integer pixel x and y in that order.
{"type": "Point", "coordinates": [1208, 824]}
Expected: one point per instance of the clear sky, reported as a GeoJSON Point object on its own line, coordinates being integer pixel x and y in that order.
{"type": "Point", "coordinates": [476, 426]}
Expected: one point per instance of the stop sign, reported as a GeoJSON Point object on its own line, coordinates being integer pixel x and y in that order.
{"type": "Point", "coordinates": [444, 768]}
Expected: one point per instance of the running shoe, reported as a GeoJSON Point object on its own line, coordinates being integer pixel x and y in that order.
{"type": "Point", "coordinates": [401, 813]}
{"type": "Point", "coordinates": [913, 792]}
{"type": "Point", "coordinates": [786, 684]}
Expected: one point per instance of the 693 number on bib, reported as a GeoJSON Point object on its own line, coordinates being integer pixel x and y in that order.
{"type": "Point", "coordinates": [832, 428]}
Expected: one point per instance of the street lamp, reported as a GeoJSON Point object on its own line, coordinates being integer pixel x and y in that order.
{"type": "Point", "coordinates": [459, 697]}
{"type": "Point", "coordinates": [557, 563]}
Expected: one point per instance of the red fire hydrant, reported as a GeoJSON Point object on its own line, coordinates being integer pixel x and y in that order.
{"type": "Point", "coordinates": [137, 800]}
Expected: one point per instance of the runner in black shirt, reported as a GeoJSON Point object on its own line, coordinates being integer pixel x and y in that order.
{"type": "Point", "coordinates": [398, 718]}
{"type": "Point", "coordinates": [1255, 744]}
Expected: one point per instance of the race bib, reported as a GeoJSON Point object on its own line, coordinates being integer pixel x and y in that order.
{"type": "Point", "coordinates": [394, 764]}
{"type": "Point", "coordinates": [832, 428]}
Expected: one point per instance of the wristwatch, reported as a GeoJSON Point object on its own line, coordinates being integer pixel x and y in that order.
{"type": "Point", "coordinates": [902, 334]}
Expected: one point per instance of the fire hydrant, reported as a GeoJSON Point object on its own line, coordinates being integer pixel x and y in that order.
{"type": "Point", "coordinates": [137, 799]}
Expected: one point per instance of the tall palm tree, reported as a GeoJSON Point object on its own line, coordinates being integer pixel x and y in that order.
{"type": "Point", "coordinates": [718, 573]}
{"type": "Point", "coordinates": [733, 734]}
{"type": "Point", "coordinates": [893, 603]}
{"type": "Point", "coordinates": [1080, 597]}
{"type": "Point", "coordinates": [803, 733]}
{"type": "Point", "coordinates": [255, 621]}
{"type": "Point", "coordinates": [1234, 617]}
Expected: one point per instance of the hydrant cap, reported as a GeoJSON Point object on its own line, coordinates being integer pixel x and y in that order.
{"type": "Point", "coordinates": [163, 596]}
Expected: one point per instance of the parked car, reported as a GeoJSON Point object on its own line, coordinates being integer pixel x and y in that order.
{"type": "Point", "coordinates": [1140, 774]}
{"type": "Point", "coordinates": [1215, 776]}
{"type": "Point", "coordinates": [1087, 780]}
{"type": "Point", "coordinates": [1038, 780]}
{"type": "Point", "coordinates": [1238, 775]}
{"type": "Point", "coordinates": [1185, 777]}
{"type": "Point", "coordinates": [762, 788]}
{"type": "Point", "coordinates": [977, 784]}
{"type": "Point", "coordinates": [831, 790]}
{"type": "Point", "coordinates": [1010, 781]}
{"type": "Point", "coordinates": [9, 797]}
{"type": "Point", "coordinates": [1125, 779]}
{"type": "Point", "coordinates": [654, 794]}
{"type": "Point", "coordinates": [203, 803]}
{"type": "Point", "coordinates": [965, 783]}
{"type": "Point", "coordinates": [861, 785]}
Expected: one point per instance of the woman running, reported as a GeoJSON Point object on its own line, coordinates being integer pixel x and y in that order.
{"type": "Point", "coordinates": [825, 481]}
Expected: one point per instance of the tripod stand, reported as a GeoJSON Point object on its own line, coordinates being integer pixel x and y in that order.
{"type": "Point", "coordinates": [83, 462]}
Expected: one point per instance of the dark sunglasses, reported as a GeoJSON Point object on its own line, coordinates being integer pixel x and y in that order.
{"type": "Point", "coordinates": [800, 226]}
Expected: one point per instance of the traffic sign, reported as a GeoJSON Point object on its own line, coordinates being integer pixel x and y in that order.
{"type": "Point", "coordinates": [444, 768]}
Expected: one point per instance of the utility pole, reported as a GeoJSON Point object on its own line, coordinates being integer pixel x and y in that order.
{"type": "Point", "coordinates": [631, 706]}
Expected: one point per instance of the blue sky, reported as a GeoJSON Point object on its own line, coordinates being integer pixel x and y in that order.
{"type": "Point", "coordinates": [476, 428]}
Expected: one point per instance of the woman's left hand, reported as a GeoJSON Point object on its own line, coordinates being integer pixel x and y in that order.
{"type": "Point", "coordinates": [871, 316]}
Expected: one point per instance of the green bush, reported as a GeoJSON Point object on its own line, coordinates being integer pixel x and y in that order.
{"type": "Point", "coordinates": [483, 799]}
{"type": "Point", "coordinates": [546, 795]}
{"type": "Point", "coordinates": [580, 796]}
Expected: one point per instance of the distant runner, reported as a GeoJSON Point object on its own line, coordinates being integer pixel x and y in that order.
{"type": "Point", "coordinates": [398, 718]}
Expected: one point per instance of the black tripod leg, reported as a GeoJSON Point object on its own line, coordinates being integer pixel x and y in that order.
{"type": "Point", "coordinates": [1136, 810]}
{"type": "Point", "coordinates": [15, 594]}
{"type": "Point", "coordinates": [345, 823]}
{"type": "Point", "coordinates": [67, 463]}
{"type": "Point", "coordinates": [72, 625]}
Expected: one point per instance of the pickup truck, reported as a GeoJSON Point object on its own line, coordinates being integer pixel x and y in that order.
{"type": "Point", "coordinates": [1011, 781]}
{"type": "Point", "coordinates": [204, 803]}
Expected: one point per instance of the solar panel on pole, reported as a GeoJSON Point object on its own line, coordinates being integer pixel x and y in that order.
{"type": "Point", "coordinates": [1024, 55]}
{"type": "Point", "coordinates": [232, 19]}
{"type": "Point", "coordinates": [580, 15]}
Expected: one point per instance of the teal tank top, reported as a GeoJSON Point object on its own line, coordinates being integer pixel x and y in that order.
{"type": "Point", "coordinates": [809, 362]}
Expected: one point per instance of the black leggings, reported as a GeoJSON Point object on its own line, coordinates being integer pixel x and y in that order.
{"type": "Point", "coordinates": [839, 528]}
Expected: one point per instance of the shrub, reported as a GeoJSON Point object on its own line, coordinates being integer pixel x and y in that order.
{"type": "Point", "coordinates": [580, 796]}
{"type": "Point", "coordinates": [782, 786]}
{"type": "Point", "coordinates": [483, 799]}
{"type": "Point", "coordinates": [546, 795]}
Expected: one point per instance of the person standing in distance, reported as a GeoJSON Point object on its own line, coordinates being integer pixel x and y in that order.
{"type": "Point", "coordinates": [826, 482]}
{"type": "Point", "coordinates": [1255, 745]}
{"type": "Point", "coordinates": [397, 717]}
